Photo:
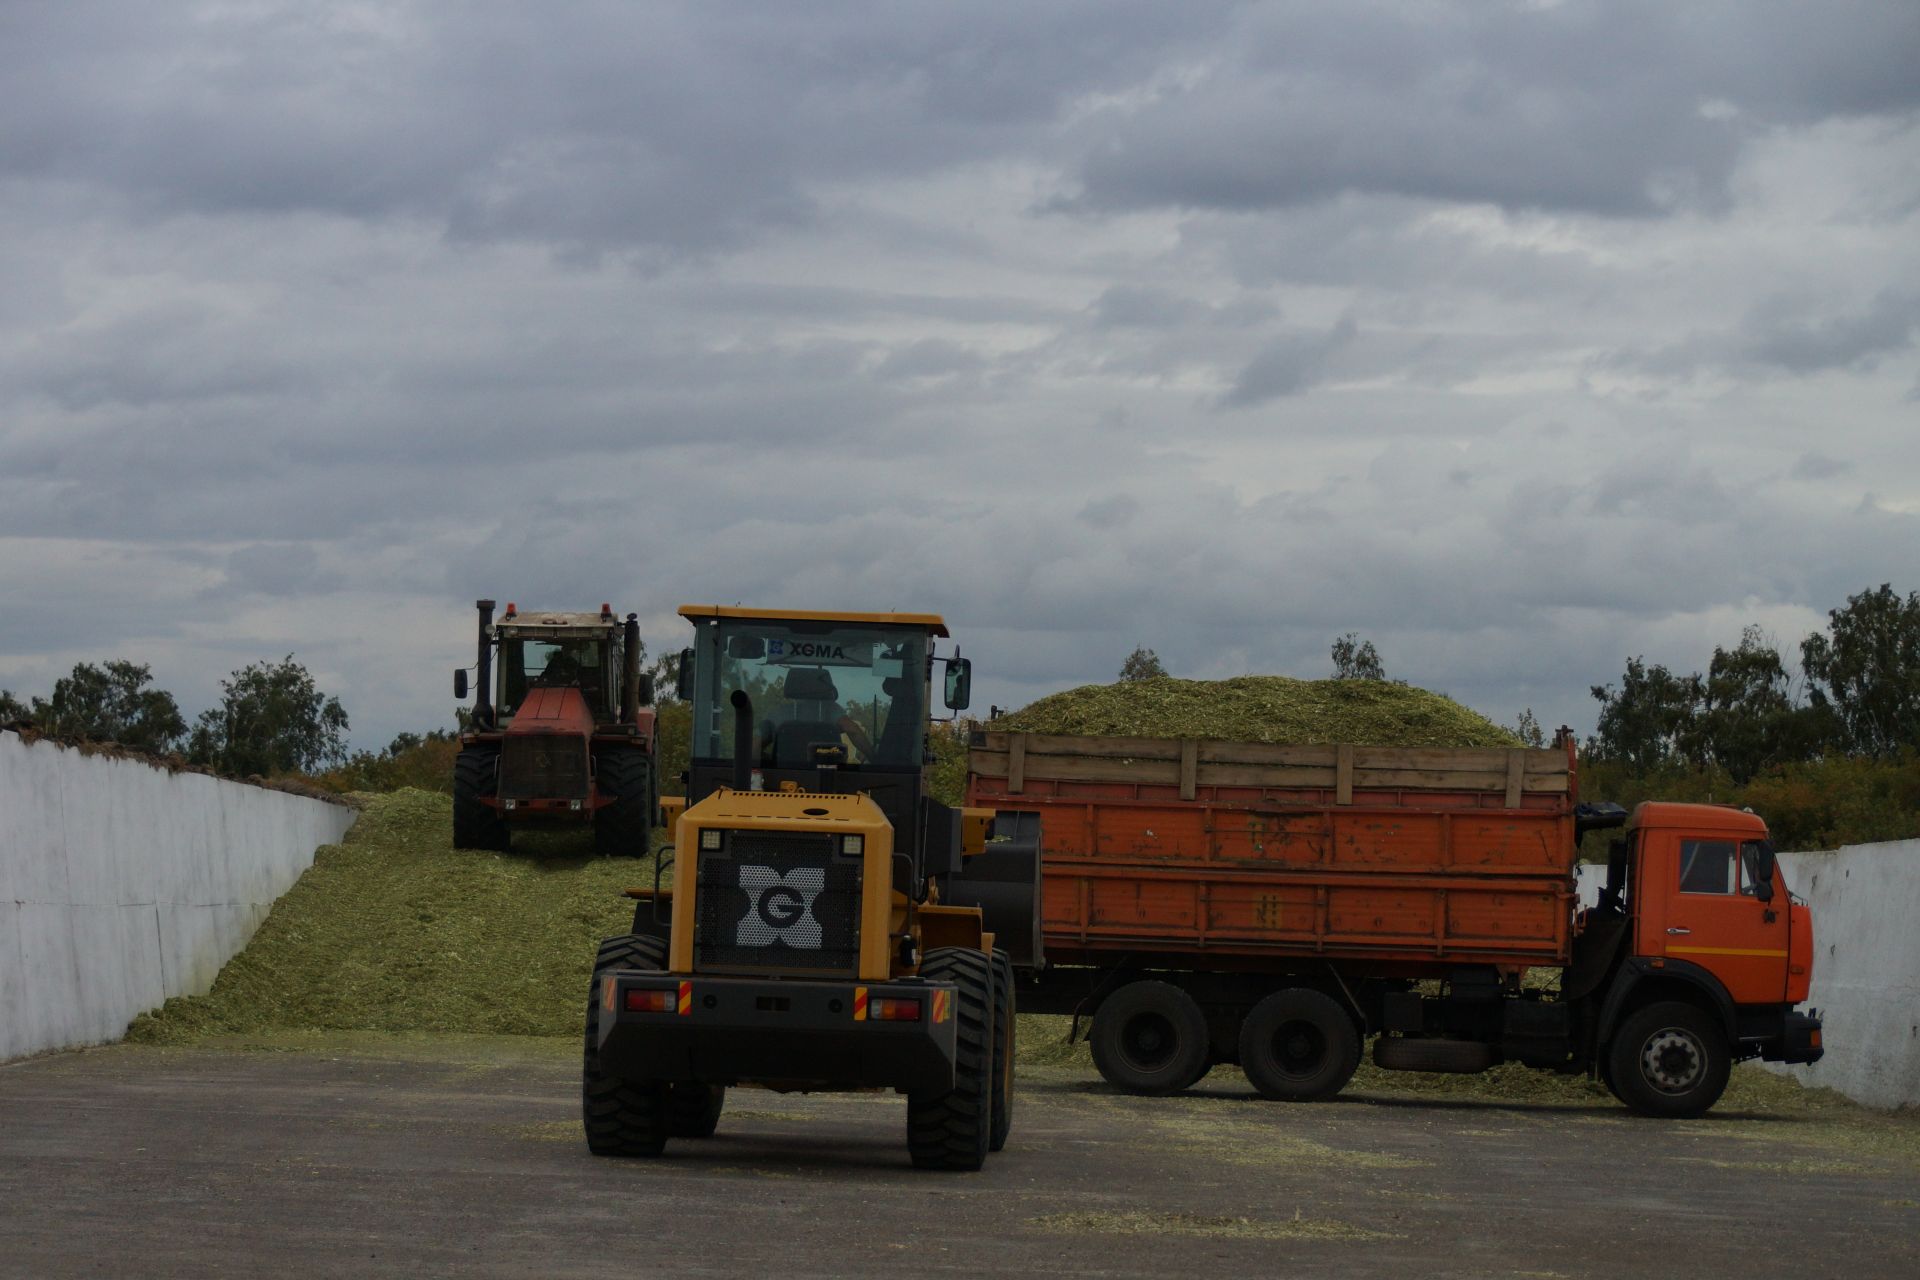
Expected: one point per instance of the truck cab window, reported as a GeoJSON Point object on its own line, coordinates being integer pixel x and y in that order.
{"type": "Point", "coordinates": [1706, 866]}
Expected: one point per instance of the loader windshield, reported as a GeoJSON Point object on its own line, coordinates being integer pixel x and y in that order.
{"type": "Point", "coordinates": [813, 684]}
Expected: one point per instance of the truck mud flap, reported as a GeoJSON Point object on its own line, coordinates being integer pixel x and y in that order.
{"type": "Point", "coordinates": [1003, 880]}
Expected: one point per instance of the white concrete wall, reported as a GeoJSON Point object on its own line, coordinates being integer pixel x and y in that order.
{"type": "Point", "coordinates": [122, 884]}
{"type": "Point", "coordinates": [1866, 969]}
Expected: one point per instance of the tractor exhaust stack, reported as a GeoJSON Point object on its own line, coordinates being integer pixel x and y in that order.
{"type": "Point", "coordinates": [483, 674]}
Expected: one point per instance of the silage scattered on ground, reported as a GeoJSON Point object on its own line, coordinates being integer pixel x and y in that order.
{"type": "Point", "coordinates": [1262, 709]}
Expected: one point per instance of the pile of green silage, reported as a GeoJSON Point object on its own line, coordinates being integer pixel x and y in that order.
{"type": "Point", "coordinates": [1377, 713]}
{"type": "Point", "coordinates": [396, 930]}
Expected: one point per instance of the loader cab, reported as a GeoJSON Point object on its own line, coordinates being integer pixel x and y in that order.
{"type": "Point", "coordinates": [836, 703]}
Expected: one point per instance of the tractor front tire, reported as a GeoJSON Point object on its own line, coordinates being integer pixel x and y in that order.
{"type": "Point", "coordinates": [622, 1117]}
{"type": "Point", "coordinates": [477, 825]}
{"type": "Point", "coordinates": [952, 1129]}
{"type": "Point", "coordinates": [1003, 1033]}
{"type": "Point", "coordinates": [624, 828]}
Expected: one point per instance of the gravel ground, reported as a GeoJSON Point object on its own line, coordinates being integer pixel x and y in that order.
{"type": "Point", "coordinates": [381, 1155]}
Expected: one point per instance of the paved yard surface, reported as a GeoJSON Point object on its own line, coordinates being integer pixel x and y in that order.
{"type": "Point", "coordinates": [363, 1156]}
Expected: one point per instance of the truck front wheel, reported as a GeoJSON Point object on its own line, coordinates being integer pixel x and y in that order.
{"type": "Point", "coordinates": [1150, 1038]}
{"type": "Point", "coordinates": [1298, 1045]}
{"type": "Point", "coordinates": [1669, 1059]}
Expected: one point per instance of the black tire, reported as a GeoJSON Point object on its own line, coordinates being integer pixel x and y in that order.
{"type": "Point", "coordinates": [1003, 1033]}
{"type": "Point", "coordinates": [1669, 1059]}
{"type": "Point", "coordinates": [1299, 1045]}
{"type": "Point", "coordinates": [622, 1117]}
{"type": "Point", "coordinates": [694, 1109]}
{"type": "Point", "coordinates": [477, 825]}
{"type": "Point", "coordinates": [953, 1129]}
{"type": "Point", "coordinates": [1416, 1053]}
{"type": "Point", "coordinates": [1150, 1038]}
{"type": "Point", "coordinates": [625, 827]}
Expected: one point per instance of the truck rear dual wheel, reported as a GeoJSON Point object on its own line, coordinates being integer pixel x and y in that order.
{"type": "Point", "coordinates": [1669, 1059]}
{"type": "Point", "coordinates": [1003, 1032]}
{"type": "Point", "coordinates": [625, 827]}
{"type": "Point", "coordinates": [477, 825]}
{"type": "Point", "coordinates": [1299, 1045]}
{"type": "Point", "coordinates": [953, 1129]}
{"type": "Point", "coordinates": [1150, 1038]}
{"type": "Point", "coordinates": [622, 1117]}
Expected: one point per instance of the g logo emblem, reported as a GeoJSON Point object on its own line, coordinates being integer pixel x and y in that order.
{"type": "Point", "coordinates": [780, 908]}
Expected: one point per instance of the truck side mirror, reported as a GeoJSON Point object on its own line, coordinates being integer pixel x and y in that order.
{"type": "Point", "coordinates": [683, 678]}
{"type": "Point", "coordinates": [1760, 864]}
{"type": "Point", "coordinates": [460, 684]}
{"type": "Point", "coordinates": [959, 683]}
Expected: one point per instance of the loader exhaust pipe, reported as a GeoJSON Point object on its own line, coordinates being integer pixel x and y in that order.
{"type": "Point", "coordinates": [742, 740]}
{"type": "Point", "coordinates": [483, 673]}
{"type": "Point", "coordinates": [630, 672]}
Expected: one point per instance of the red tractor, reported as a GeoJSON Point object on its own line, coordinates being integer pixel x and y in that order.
{"type": "Point", "coordinates": [563, 737]}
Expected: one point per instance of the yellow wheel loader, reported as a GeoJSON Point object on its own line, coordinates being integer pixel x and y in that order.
{"type": "Point", "coordinates": [824, 923]}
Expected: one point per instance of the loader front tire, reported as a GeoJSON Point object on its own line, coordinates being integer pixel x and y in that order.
{"type": "Point", "coordinates": [622, 1117]}
{"type": "Point", "coordinates": [1003, 1033]}
{"type": "Point", "coordinates": [952, 1129]}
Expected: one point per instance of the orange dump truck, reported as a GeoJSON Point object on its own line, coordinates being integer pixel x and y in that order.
{"type": "Point", "coordinates": [1273, 906]}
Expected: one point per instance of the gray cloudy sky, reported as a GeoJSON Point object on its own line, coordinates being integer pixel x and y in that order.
{"type": "Point", "coordinates": [1519, 338]}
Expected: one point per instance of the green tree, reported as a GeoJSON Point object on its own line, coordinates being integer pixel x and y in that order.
{"type": "Point", "coordinates": [1356, 659]}
{"type": "Point", "coordinates": [1650, 721]}
{"type": "Point", "coordinates": [1865, 673]}
{"type": "Point", "coordinates": [112, 704]}
{"type": "Point", "coordinates": [1528, 730]}
{"type": "Point", "coordinates": [11, 708]}
{"type": "Point", "coordinates": [271, 720]}
{"type": "Point", "coordinates": [1142, 664]}
{"type": "Point", "coordinates": [1747, 718]}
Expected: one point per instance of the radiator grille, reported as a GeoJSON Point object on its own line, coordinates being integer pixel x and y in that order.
{"type": "Point", "coordinates": [778, 902]}
{"type": "Point", "coordinates": [538, 766]}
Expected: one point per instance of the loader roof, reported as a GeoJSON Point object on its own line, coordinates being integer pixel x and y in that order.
{"type": "Point", "coordinates": [932, 622]}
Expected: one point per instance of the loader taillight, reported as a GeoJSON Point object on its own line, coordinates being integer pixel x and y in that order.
{"type": "Point", "coordinates": [881, 1009]}
{"type": "Point", "coordinates": [649, 1002]}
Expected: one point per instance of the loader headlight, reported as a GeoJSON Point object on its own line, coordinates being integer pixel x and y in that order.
{"type": "Point", "coordinates": [710, 839]}
{"type": "Point", "coordinates": [853, 846]}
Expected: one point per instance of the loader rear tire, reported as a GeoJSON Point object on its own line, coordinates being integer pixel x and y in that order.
{"type": "Point", "coordinates": [1150, 1038]}
{"type": "Point", "coordinates": [624, 828]}
{"type": "Point", "coordinates": [953, 1128]}
{"type": "Point", "coordinates": [695, 1109]}
{"type": "Point", "coordinates": [1299, 1045]}
{"type": "Point", "coordinates": [622, 1117]}
{"type": "Point", "coordinates": [1003, 1033]}
{"type": "Point", "coordinates": [477, 825]}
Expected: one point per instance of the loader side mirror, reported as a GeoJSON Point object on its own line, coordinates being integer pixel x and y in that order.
{"type": "Point", "coordinates": [460, 684]}
{"type": "Point", "coordinates": [683, 678]}
{"type": "Point", "coordinates": [959, 688]}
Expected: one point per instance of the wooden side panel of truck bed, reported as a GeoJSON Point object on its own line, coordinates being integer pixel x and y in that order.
{"type": "Point", "coordinates": [1197, 853]}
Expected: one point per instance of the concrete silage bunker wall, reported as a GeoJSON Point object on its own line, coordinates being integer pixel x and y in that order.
{"type": "Point", "coordinates": [1866, 966]}
{"type": "Point", "coordinates": [122, 884]}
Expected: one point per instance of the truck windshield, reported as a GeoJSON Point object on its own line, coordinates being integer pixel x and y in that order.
{"type": "Point", "coordinates": [813, 684]}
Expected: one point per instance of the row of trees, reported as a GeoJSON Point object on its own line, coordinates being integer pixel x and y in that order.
{"type": "Point", "coordinates": [271, 718]}
{"type": "Point", "coordinates": [1858, 695]}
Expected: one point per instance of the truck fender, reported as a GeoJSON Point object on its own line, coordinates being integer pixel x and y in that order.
{"type": "Point", "coordinates": [1633, 985]}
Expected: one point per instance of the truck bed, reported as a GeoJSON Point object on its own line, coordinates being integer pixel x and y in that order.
{"type": "Point", "coordinates": [1184, 853]}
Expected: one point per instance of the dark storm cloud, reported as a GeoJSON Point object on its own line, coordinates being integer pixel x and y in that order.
{"type": "Point", "coordinates": [1289, 366]}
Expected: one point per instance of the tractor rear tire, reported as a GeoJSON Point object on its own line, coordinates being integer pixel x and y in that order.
{"type": "Point", "coordinates": [953, 1128]}
{"type": "Point", "coordinates": [1003, 1033]}
{"type": "Point", "coordinates": [624, 828]}
{"type": "Point", "coordinates": [1150, 1038]}
{"type": "Point", "coordinates": [1670, 1060]}
{"type": "Point", "coordinates": [695, 1109]}
{"type": "Point", "coordinates": [622, 1117]}
{"type": "Point", "coordinates": [477, 825]}
{"type": "Point", "coordinates": [1299, 1045]}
